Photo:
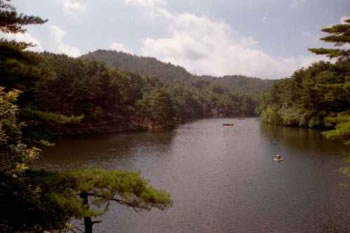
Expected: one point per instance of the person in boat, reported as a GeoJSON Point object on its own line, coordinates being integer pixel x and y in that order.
{"type": "Point", "coordinates": [278, 158]}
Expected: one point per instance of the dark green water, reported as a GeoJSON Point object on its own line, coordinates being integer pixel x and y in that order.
{"type": "Point", "coordinates": [223, 179]}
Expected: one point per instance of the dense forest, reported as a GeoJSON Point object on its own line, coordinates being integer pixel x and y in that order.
{"type": "Point", "coordinates": [309, 97]}
{"type": "Point", "coordinates": [317, 96]}
{"type": "Point", "coordinates": [63, 95]}
{"type": "Point", "coordinates": [169, 73]}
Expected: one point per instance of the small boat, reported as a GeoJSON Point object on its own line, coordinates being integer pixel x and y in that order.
{"type": "Point", "coordinates": [278, 158]}
{"type": "Point", "coordinates": [228, 124]}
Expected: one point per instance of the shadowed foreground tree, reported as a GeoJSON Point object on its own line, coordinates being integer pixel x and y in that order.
{"type": "Point", "coordinates": [88, 193]}
{"type": "Point", "coordinates": [38, 200]}
{"type": "Point", "coordinates": [22, 209]}
{"type": "Point", "coordinates": [12, 22]}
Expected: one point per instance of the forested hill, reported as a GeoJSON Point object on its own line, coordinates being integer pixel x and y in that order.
{"type": "Point", "coordinates": [167, 72]}
{"type": "Point", "coordinates": [145, 66]}
{"type": "Point", "coordinates": [242, 84]}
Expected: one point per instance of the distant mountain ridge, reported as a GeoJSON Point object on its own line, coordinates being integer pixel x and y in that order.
{"type": "Point", "coordinates": [167, 72]}
{"type": "Point", "coordinates": [144, 66]}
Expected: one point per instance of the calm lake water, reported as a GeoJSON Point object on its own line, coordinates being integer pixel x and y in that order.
{"type": "Point", "coordinates": [223, 179]}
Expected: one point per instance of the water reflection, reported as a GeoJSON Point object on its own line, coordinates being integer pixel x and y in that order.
{"type": "Point", "coordinates": [306, 140]}
{"type": "Point", "coordinates": [102, 151]}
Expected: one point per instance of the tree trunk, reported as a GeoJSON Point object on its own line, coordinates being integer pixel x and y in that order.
{"type": "Point", "coordinates": [87, 220]}
{"type": "Point", "coordinates": [88, 224]}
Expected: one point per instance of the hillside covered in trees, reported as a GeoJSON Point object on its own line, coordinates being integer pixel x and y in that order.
{"type": "Point", "coordinates": [64, 95]}
{"type": "Point", "coordinates": [169, 73]}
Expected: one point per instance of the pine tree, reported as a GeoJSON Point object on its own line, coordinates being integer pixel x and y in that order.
{"type": "Point", "coordinates": [87, 194]}
{"type": "Point", "coordinates": [16, 65]}
{"type": "Point", "coordinates": [12, 22]}
{"type": "Point", "coordinates": [340, 36]}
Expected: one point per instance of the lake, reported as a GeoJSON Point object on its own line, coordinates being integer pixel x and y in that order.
{"type": "Point", "coordinates": [222, 179]}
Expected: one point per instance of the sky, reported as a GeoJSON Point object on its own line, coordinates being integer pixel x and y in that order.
{"type": "Point", "coordinates": [259, 38]}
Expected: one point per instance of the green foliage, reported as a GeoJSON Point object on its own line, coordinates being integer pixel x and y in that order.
{"type": "Point", "coordinates": [309, 96]}
{"type": "Point", "coordinates": [21, 70]}
{"type": "Point", "coordinates": [25, 210]}
{"type": "Point", "coordinates": [124, 187]}
{"type": "Point", "coordinates": [159, 107]}
{"type": "Point", "coordinates": [88, 193]}
{"type": "Point", "coordinates": [50, 117]}
{"type": "Point", "coordinates": [342, 127]}
{"type": "Point", "coordinates": [193, 96]}
{"type": "Point", "coordinates": [169, 73]}
{"type": "Point", "coordinates": [15, 156]}
{"type": "Point", "coordinates": [271, 116]}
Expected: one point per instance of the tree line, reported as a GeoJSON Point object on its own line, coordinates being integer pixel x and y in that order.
{"type": "Point", "coordinates": [171, 74]}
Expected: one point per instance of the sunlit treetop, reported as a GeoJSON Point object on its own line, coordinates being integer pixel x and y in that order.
{"type": "Point", "coordinates": [339, 35]}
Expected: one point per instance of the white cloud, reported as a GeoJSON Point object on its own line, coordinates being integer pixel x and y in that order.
{"type": "Point", "coordinates": [204, 46]}
{"type": "Point", "coordinates": [120, 47]}
{"type": "Point", "coordinates": [73, 6]}
{"type": "Point", "coordinates": [23, 37]}
{"type": "Point", "coordinates": [146, 3]}
{"type": "Point", "coordinates": [296, 3]}
{"type": "Point", "coordinates": [264, 19]}
{"type": "Point", "coordinates": [58, 34]}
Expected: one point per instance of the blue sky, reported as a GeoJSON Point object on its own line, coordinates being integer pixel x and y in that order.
{"type": "Point", "coordinates": [263, 38]}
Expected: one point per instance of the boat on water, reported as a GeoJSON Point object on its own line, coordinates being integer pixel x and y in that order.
{"type": "Point", "coordinates": [278, 158]}
{"type": "Point", "coordinates": [228, 124]}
